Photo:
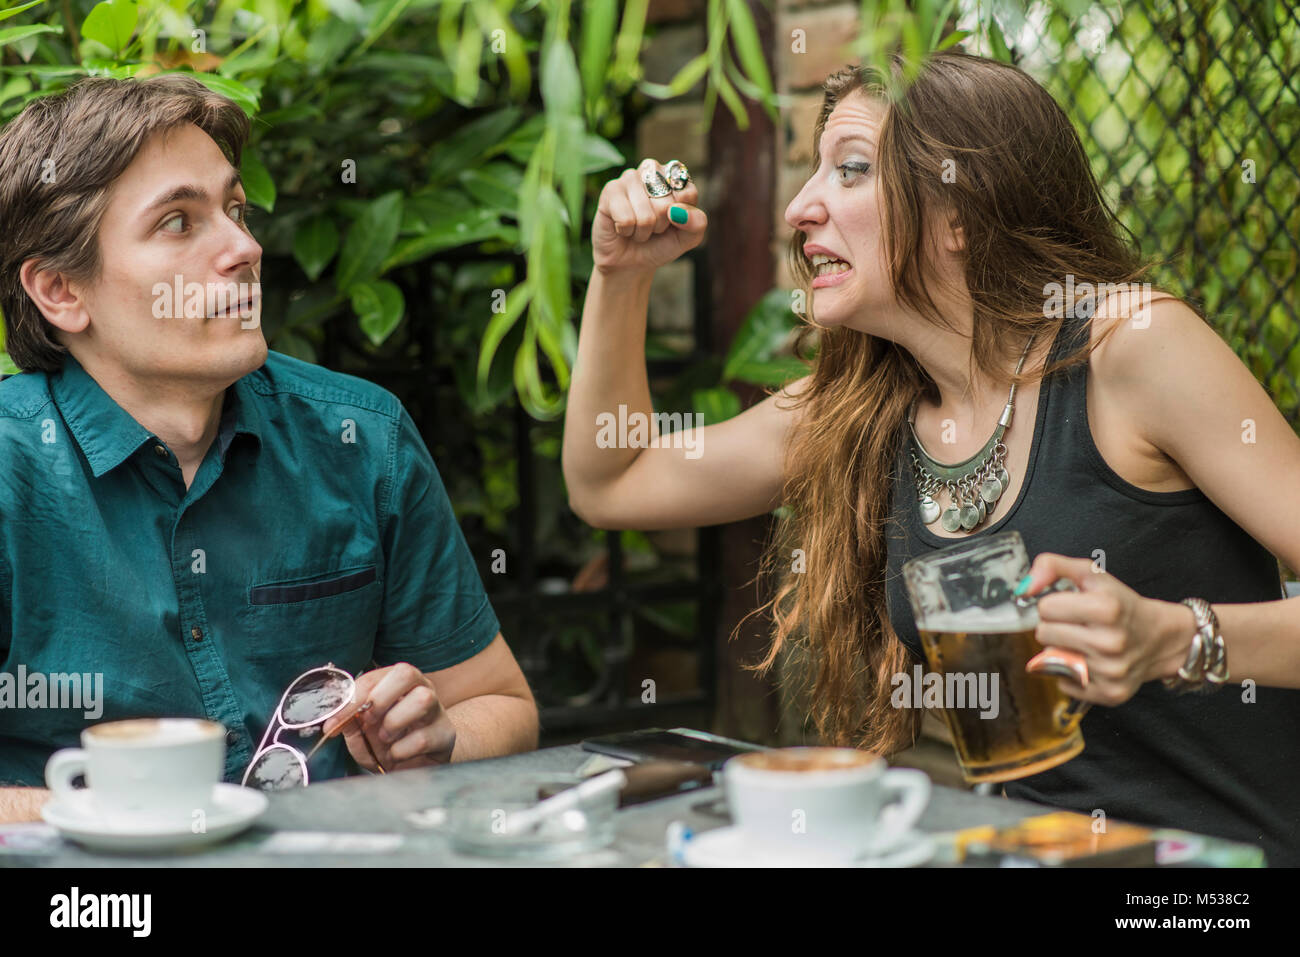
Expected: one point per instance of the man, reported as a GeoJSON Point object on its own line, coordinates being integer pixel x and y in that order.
{"type": "Point", "coordinates": [187, 520]}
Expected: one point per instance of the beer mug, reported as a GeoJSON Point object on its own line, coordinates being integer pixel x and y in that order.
{"type": "Point", "coordinates": [979, 638]}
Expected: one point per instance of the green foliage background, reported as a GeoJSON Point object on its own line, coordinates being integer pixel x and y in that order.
{"type": "Point", "coordinates": [1190, 113]}
{"type": "Point", "coordinates": [482, 130]}
{"type": "Point", "coordinates": [480, 134]}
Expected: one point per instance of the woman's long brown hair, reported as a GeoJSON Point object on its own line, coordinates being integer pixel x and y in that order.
{"type": "Point", "coordinates": [1032, 213]}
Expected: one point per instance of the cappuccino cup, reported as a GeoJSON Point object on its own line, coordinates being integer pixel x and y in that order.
{"type": "Point", "coordinates": [145, 771]}
{"type": "Point", "coordinates": [826, 804]}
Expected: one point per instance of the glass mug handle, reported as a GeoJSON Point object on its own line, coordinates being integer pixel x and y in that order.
{"type": "Point", "coordinates": [1059, 663]}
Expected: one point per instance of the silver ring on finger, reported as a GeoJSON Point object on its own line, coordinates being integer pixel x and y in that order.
{"type": "Point", "coordinates": [677, 174]}
{"type": "Point", "coordinates": [655, 184]}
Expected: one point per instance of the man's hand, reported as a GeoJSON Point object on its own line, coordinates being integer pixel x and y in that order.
{"type": "Point", "coordinates": [406, 725]}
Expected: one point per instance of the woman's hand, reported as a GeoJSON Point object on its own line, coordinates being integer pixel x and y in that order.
{"type": "Point", "coordinates": [632, 231]}
{"type": "Point", "coordinates": [1126, 639]}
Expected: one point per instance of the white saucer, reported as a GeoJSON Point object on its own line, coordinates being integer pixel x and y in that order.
{"type": "Point", "coordinates": [727, 847]}
{"type": "Point", "coordinates": [233, 809]}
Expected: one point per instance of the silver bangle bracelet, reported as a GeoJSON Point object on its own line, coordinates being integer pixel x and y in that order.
{"type": "Point", "coordinates": [1206, 667]}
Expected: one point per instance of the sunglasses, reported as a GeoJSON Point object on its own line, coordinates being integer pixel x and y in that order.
{"type": "Point", "coordinates": [311, 699]}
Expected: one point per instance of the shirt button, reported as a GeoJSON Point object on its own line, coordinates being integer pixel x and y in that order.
{"type": "Point", "coordinates": [196, 633]}
{"type": "Point", "coordinates": [162, 452]}
{"type": "Point", "coordinates": [232, 738]}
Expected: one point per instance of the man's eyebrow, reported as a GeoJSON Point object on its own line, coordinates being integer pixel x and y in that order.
{"type": "Point", "coordinates": [189, 192]}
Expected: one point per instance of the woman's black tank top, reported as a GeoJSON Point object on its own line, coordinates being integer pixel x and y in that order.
{"type": "Point", "coordinates": [1216, 764]}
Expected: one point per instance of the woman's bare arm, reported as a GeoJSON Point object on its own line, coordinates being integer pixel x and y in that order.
{"type": "Point", "coordinates": [698, 476]}
{"type": "Point", "coordinates": [617, 476]}
{"type": "Point", "coordinates": [1196, 403]}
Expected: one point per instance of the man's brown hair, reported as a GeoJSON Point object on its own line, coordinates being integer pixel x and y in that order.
{"type": "Point", "coordinates": [58, 159]}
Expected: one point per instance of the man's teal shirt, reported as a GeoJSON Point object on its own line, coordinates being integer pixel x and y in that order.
{"type": "Point", "coordinates": [317, 529]}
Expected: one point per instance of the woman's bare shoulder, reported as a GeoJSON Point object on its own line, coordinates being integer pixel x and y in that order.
{"type": "Point", "coordinates": [1131, 306]}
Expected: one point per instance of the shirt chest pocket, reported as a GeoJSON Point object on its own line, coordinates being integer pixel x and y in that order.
{"type": "Point", "coordinates": [330, 616]}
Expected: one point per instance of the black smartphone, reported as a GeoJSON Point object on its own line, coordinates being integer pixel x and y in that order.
{"type": "Point", "coordinates": [656, 744]}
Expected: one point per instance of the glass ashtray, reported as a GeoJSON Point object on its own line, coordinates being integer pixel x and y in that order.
{"type": "Point", "coordinates": [477, 813]}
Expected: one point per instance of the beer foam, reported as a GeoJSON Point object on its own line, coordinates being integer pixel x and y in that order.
{"type": "Point", "coordinates": [1007, 618]}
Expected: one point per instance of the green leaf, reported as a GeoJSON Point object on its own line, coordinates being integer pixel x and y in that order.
{"type": "Point", "coordinates": [233, 89]}
{"type": "Point", "coordinates": [733, 101]}
{"type": "Point", "coordinates": [530, 192]}
{"type": "Point", "coordinates": [599, 18]}
{"type": "Point", "coordinates": [112, 23]}
{"type": "Point", "coordinates": [716, 404]}
{"type": "Point", "coordinates": [317, 304]}
{"type": "Point", "coordinates": [6, 14]}
{"type": "Point", "coordinates": [379, 306]}
{"type": "Point", "coordinates": [997, 42]}
{"type": "Point", "coordinates": [494, 186]}
{"type": "Point", "coordinates": [523, 139]}
{"type": "Point", "coordinates": [952, 39]}
{"type": "Point", "coordinates": [315, 244]}
{"type": "Point", "coordinates": [561, 87]}
{"type": "Point", "coordinates": [748, 48]}
{"type": "Point", "coordinates": [764, 334]}
{"type": "Point", "coordinates": [369, 240]}
{"type": "Point", "coordinates": [689, 75]}
{"type": "Point", "coordinates": [598, 153]}
{"type": "Point", "coordinates": [939, 21]}
{"type": "Point", "coordinates": [347, 10]}
{"type": "Point", "coordinates": [14, 34]}
{"type": "Point", "coordinates": [384, 12]}
{"type": "Point", "coordinates": [421, 210]}
{"type": "Point", "coordinates": [15, 87]}
{"type": "Point", "coordinates": [569, 129]}
{"type": "Point", "coordinates": [469, 145]}
{"type": "Point", "coordinates": [327, 43]}
{"type": "Point", "coordinates": [98, 66]}
{"type": "Point", "coordinates": [258, 185]}
{"type": "Point", "coordinates": [500, 324]}
{"type": "Point", "coordinates": [548, 259]}
{"type": "Point", "coordinates": [469, 54]}
{"type": "Point", "coordinates": [470, 226]}
{"type": "Point", "coordinates": [293, 113]}
{"type": "Point", "coordinates": [537, 400]}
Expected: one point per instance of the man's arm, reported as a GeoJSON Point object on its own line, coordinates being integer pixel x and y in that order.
{"type": "Point", "coordinates": [479, 708]}
{"type": "Point", "coordinates": [489, 702]}
{"type": "Point", "coordinates": [21, 804]}
{"type": "Point", "coordinates": [435, 611]}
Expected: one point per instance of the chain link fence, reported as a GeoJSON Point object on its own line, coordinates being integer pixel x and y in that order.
{"type": "Point", "coordinates": [1189, 111]}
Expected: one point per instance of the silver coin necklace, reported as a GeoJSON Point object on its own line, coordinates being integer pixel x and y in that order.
{"type": "Point", "coordinates": [973, 486]}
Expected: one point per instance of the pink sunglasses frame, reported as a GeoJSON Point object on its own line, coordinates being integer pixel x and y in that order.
{"type": "Point", "coordinates": [279, 724]}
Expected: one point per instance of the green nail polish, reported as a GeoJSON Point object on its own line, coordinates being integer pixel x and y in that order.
{"type": "Point", "coordinates": [678, 215]}
{"type": "Point", "coordinates": [1024, 584]}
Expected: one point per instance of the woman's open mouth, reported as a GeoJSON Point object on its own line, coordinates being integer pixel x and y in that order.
{"type": "Point", "coordinates": [828, 271]}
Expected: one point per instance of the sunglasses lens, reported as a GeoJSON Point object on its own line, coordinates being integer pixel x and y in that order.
{"type": "Point", "coordinates": [277, 769]}
{"type": "Point", "coordinates": [315, 695]}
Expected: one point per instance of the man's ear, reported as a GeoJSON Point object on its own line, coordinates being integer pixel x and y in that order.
{"type": "Point", "coordinates": [55, 297]}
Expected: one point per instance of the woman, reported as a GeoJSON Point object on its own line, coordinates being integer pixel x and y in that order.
{"type": "Point", "coordinates": [1136, 462]}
